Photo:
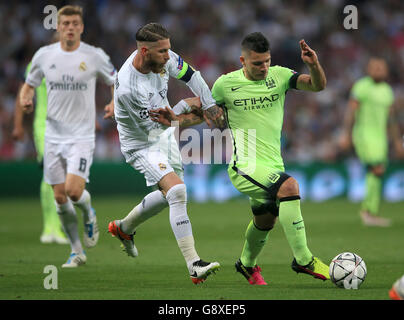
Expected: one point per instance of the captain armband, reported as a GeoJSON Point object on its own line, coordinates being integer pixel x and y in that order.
{"type": "Point", "coordinates": [186, 72]}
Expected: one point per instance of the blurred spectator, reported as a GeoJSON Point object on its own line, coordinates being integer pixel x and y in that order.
{"type": "Point", "coordinates": [312, 122]}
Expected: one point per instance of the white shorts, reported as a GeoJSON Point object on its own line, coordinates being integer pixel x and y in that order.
{"type": "Point", "coordinates": [60, 159]}
{"type": "Point", "coordinates": [157, 160]}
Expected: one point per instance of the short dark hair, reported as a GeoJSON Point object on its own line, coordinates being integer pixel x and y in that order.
{"type": "Point", "coordinates": [152, 32]}
{"type": "Point", "coordinates": [255, 41]}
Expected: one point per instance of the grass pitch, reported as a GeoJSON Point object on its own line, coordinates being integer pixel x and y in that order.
{"type": "Point", "coordinates": [159, 273]}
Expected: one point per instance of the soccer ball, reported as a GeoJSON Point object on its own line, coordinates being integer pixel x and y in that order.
{"type": "Point", "coordinates": [348, 270]}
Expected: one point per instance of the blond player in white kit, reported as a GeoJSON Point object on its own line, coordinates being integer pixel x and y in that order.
{"type": "Point", "coordinates": [70, 68]}
{"type": "Point", "coordinates": [150, 147]}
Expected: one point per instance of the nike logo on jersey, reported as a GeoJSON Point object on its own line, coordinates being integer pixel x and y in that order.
{"type": "Point", "coordinates": [234, 89]}
{"type": "Point", "coordinates": [297, 222]}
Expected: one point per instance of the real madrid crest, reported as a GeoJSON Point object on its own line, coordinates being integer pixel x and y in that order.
{"type": "Point", "coordinates": [162, 166]}
{"type": "Point", "coordinates": [83, 66]}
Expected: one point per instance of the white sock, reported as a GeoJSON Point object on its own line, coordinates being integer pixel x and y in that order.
{"type": "Point", "coordinates": [84, 203]}
{"type": "Point", "coordinates": [180, 224]}
{"type": "Point", "coordinates": [68, 218]}
{"type": "Point", "coordinates": [187, 247]}
{"type": "Point", "coordinates": [151, 205]}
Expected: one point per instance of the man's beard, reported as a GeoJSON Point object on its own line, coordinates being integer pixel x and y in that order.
{"type": "Point", "coordinates": [155, 67]}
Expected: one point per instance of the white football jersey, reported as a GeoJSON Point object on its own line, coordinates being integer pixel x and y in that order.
{"type": "Point", "coordinates": [70, 83]}
{"type": "Point", "coordinates": [136, 93]}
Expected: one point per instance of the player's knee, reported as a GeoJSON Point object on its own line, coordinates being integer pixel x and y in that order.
{"type": "Point", "coordinates": [177, 194]}
{"type": "Point", "coordinates": [74, 193]}
{"type": "Point", "coordinates": [265, 222]}
{"type": "Point", "coordinates": [377, 170]}
{"type": "Point", "coordinates": [60, 198]}
{"type": "Point", "coordinates": [289, 188]}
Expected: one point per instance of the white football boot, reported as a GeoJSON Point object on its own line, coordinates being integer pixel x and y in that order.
{"type": "Point", "coordinates": [75, 260]}
{"type": "Point", "coordinates": [200, 270]}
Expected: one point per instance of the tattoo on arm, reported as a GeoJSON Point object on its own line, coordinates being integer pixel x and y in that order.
{"type": "Point", "coordinates": [213, 111]}
{"type": "Point", "coordinates": [189, 119]}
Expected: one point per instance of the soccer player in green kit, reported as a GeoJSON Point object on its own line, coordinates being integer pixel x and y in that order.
{"type": "Point", "coordinates": [52, 228]}
{"type": "Point", "coordinates": [366, 120]}
{"type": "Point", "coordinates": [253, 99]}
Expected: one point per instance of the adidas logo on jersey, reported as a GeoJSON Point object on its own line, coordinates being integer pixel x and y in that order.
{"type": "Point", "coordinates": [163, 93]}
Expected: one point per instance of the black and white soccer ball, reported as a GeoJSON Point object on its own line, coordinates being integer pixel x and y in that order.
{"type": "Point", "coordinates": [348, 270]}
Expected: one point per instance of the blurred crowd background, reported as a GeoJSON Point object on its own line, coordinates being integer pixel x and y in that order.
{"type": "Point", "coordinates": [207, 34]}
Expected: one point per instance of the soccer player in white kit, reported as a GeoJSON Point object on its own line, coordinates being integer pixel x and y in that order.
{"type": "Point", "coordinates": [150, 147]}
{"type": "Point", "coordinates": [70, 68]}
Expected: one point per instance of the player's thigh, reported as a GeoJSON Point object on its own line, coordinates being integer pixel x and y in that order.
{"type": "Point", "coordinates": [288, 188]}
{"type": "Point", "coordinates": [79, 158]}
{"type": "Point", "coordinates": [54, 164]}
{"type": "Point", "coordinates": [263, 183]}
{"type": "Point", "coordinates": [158, 161]}
{"type": "Point", "coordinates": [371, 152]}
{"type": "Point", "coordinates": [153, 164]}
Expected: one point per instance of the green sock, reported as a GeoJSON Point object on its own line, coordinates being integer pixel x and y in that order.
{"type": "Point", "coordinates": [371, 202]}
{"type": "Point", "coordinates": [292, 222]}
{"type": "Point", "coordinates": [51, 221]}
{"type": "Point", "coordinates": [255, 240]}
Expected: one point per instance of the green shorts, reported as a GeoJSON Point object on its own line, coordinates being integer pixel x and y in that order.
{"type": "Point", "coordinates": [371, 152]}
{"type": "Point", "coordinates": [261, 186]}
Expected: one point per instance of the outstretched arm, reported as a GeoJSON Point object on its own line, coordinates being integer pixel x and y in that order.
{"type": "Point", "coordinates": [167, 117]}
{"type": "Point", "coordinates": [316, 81]}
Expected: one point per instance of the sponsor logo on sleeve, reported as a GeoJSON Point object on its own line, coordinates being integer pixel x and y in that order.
{"type": "Point", "coordinates": [162, 166]}
{"type": "Point", "coordinates": [180, 63]}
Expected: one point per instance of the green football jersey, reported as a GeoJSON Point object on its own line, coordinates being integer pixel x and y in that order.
{"type": "Point", "coordinates": [371, 118]}
{"type": "Point", "coordinates": [254, 110]}
{"type": "Point", "coordinates": [369, 133]}
{"type": "Point", "coordinates": [39, 124]}
{"type": "Point", "coordinates": [40, 105]}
